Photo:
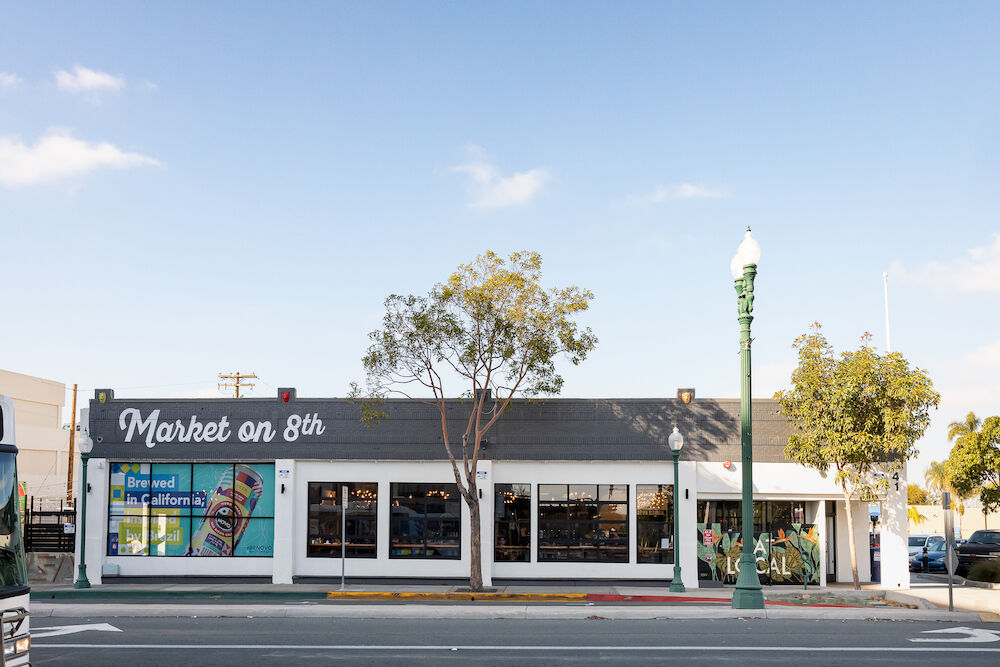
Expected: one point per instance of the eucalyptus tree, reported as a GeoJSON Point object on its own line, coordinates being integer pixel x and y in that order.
{"type": "Point", "coordinates": [489, 328]}
{"type": "Point", "coordinates": [857, 415]}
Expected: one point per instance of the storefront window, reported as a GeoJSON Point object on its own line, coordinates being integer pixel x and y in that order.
{"type": "Point", "coordinates": [583, 522]}
{"type": "Point", "coordinates": [325, 519]}
{"type": "Point", "coordinates": [512, 522]}
{"type": "Point", "coordinates": [184, 509]}
{"type": "Point", "coordinates": [425, 521]}
{"type": "Point", "coordinates": [655, 523]}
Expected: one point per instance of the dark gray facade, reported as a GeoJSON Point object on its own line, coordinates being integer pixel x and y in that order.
{"type": "Point", "coordinates": [331, 429]}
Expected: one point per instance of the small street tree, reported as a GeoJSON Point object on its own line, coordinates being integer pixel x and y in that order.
{"type": "Point", "coordinates": [916, 496]}
{"type": "Point", "coordinates": [491, 327]}
{"type": "Point", "coordinates": [859, 415]}
{"type": "Point", "coordinates": [974, 464]}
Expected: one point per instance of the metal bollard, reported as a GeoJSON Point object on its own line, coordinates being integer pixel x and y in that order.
{"type": "Point", "coordinates": [926, 568]}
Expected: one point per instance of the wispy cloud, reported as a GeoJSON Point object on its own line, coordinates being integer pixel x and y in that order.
{"type": "Point", "coordinates": [84, 80]}
{"type": "Point", "coordinates": [987, 356]}
{"type": "Point", "coordinates": [491, 190]}
{"type": "Point", "coordinates": [664, 193]}
{"type": "Point", "coordinates": [59, 155]}
{"type": "Point", "coordinates": [9, 80]}
{"type": "Point", "coordinates": [977, 271]}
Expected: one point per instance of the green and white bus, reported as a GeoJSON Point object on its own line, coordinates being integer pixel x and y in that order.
{"type": "Point", "coordinates": [14, 589]}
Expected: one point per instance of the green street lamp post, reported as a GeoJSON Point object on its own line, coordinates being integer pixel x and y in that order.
{"type": "Point", "coordinates": [86, 445]}
{"type": "Point", "coordinates": [676, 441]}
{"type": "Point", "coordinates": [748, 593]}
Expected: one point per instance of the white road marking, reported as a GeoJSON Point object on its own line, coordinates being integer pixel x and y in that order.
{"type": "Point", "coordinates": [981, 635]}
{"type": "Point", "coordinates": [56, 630]}
{"type": "Point", "coordinates": [363, 647]}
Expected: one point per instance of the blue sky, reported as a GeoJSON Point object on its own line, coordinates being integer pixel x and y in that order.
{"type": "Point", "coordinates": [190, 188]}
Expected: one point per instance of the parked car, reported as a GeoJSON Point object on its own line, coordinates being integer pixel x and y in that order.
{"type": "Point", "coordinates": [936, 552]}
{"type": "Point", "coordinates": [916, 543]}
{"type": "Point", "coordinates": [981, 545]}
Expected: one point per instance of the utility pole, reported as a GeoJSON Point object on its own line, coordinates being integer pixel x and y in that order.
{"type": "Point", "coordinates": [888, 337]}
{"type": "Point", "coordinates": [237, 381]}
{"type": "Point", "coordinates": [72, 442]}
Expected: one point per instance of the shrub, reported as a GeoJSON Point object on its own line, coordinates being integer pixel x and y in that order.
{"type": "Point", "coordinates": [987, 570]}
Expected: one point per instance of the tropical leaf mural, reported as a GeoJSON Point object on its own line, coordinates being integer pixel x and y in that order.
{"type": "Point", "coordinates": [789, 555]}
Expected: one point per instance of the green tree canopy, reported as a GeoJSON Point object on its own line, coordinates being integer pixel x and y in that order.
{"type": "Point", "coordinates": [975, 464]}
{"type": "Point", "coordinates": [916, 496]}
{"type": "Point", "coordinates": [492, 330]}
{"type": "Point", "coordinates": [858, 414]}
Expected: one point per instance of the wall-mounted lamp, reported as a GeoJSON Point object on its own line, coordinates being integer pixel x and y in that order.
{"type": "Point", "coordinates": [282, 488]}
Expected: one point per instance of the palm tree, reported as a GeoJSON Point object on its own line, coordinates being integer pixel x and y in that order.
{"type": "Point", "coordinates": [914, 515]}
{"type": "Point", "coordinates": [938, 478]}
{"type": "Point", "coordinates": [957, 429]}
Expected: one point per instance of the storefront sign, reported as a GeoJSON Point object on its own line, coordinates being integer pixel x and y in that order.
{"type": "Point", "coordinates": [152, 430]}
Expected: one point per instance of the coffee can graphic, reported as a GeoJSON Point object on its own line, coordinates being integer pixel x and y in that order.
{"type": "Point", "coordinates": [227, 512]}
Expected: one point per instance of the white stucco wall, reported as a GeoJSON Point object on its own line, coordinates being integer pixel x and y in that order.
{"type": "Point", "coordinates": [698, 481]}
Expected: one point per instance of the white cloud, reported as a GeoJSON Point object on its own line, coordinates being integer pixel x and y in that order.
{"type": "Point", "coordinates": [977, 271]}
{"type": "Point", "coordinates": [83, 80]}
{"type": "Point", "coordinates": [663, 193]}
{"type": "Point", "coordinates": [58, 155]}
{"type": "Point", "coordinates": [491, 190]}
{"type": "Point", "coordinates": [986, 356]}
{"type": "Point", "coordinates": [9, 80]}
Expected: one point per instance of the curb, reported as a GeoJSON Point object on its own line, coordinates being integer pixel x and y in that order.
{"type": "Point", "coordinates": [511, 612]}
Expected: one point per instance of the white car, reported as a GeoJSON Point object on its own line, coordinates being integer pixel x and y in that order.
{"type": "Point", "coordinates": [916, 543]}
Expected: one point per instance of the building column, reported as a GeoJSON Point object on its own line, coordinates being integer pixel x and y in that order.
{"type": "Point", "coordinates": [895, 558]}
{"type": "Point", "coordinates": [484, 482]}
{"type": "Point", "coordinates": [97, 520]}
{"type": "Point", "coordinates": [283, 557]}
{"type": "Point", "coordinates": [687, 519]}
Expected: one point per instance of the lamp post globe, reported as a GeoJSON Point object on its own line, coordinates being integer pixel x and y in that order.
{"type": "Point", "coordinates": [676, 442]}
{"type": "Point", "coordinates": [748, 593]}
{"type": "Point", "coordinates": [86, 446]}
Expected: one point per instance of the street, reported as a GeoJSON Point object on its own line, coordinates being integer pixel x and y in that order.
{"type": "Point", "coordinates": [285, 641]}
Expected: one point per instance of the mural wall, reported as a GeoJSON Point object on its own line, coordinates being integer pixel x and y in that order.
{"type": "Point", "coordinates": [785, 555]}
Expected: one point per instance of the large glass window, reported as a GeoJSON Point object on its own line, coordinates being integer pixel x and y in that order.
{"type": "Point", "coordinates": [426, 521]}
{"type": "Point", "coordinates": [326, 516]}
{"type": "Point", "coordinates": [185, 509]}
{"type": "Point", "coordinates": [655, 523]}
{"type": "Point", "coordinates": [13, 569]}
{"type": "Point", "coordinates": [583, 522]}
{"type": "Point", "coordinates": [512, 522]}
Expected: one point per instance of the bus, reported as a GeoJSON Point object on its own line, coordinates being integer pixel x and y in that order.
{"type": "Point", "coordinates": [14, 589]}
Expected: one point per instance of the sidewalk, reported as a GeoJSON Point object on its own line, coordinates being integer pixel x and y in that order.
{"type": "Point", "coordinates": [522, 602]}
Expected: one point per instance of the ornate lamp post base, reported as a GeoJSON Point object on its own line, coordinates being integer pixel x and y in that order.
{"type": "Point", "coordinates": [748, 594]}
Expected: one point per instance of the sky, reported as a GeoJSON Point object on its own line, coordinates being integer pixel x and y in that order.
{"type": "Point", "coordinates": [190, 188]}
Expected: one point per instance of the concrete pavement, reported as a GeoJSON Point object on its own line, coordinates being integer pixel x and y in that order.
{"type": "Point", "coordinates": [518, 602]}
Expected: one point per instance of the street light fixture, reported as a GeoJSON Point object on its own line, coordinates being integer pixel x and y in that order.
{"type": "Point", "coordinates": [676, 441]}
{"type": "Point", "coordinates": [748, 593]}
{"type": "Point", "coordinates": [86, 445]}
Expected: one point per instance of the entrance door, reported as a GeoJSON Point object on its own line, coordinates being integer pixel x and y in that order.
{"type": "Point", "coordinates": [831, 548]}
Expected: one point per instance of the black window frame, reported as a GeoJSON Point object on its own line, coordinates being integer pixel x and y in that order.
{"type": "Point", "coordinates": [658, 529]}
{"type": "Point", "coordinates": [515, 529]}
{"type": "Point", "coordinates": [432, 494]}
{"type": "Point", "coordinates": [365, 514]}
{"type": "Point", "coordinates": [570, 530]}
{"type": "Point", "coordinates": [149, 513]}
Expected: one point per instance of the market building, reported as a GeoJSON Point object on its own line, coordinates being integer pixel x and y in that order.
{"type": "Point", "coordinates": [571, 489]}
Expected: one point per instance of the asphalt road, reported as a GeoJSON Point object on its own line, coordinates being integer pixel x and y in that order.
{"type": "Point", "coordinates": [293, 641]}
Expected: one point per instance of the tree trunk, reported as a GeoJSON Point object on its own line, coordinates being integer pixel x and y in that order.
{"type": "Point", "coordinates": [475, 542]}
{"type": "Point", "coordinates": [850, 539]}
